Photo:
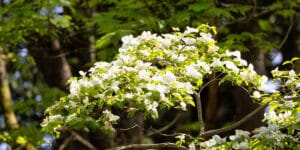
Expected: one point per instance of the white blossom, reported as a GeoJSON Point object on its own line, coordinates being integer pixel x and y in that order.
{"type": "Point", "coordinates": [271, 116]}
{"type": "Point", "coordinates": [236, 54]}
{"type": "Point", "coordinates": [188, 40]}
{"type": "Point", "coordinates": [110, 116]}
{"type": "Point", "coordinates": [213, 48]}
{"type": "Point", "coordinates": [203, 65]}
{"type": "Point", "coordinates": [241, 145]}
{"type": "Point", "coordinates": [263, 83]}
{"type": "Point", "coordinates": [171, 37]}
{"type": "Point", "coordinates": [153, 107]}
{"type": "Point", "coordinates": [216, 63]}
{"type": "Point", "coordinates": [187, 85]}
{"type": "Point", "coordinates": [115, 85]}
{"type": "Point", "coordinates": [206, 37]}
{"type": "Point", "coordinates": [230, 65]}
{"type": "Point", "coordinates": [256, 94]}
{"type": "Point", "coordinates": [190, 30]}
{"type": "Point", "coordinates": [143, 75]}
{"type": "Point", "coordinates": [183, 105]}
{"type": "Point", "coordinates": [82, 73]}
{"type": "Point", "coordinates": [169, 77]}
{"type": "Point", "coordinates": [192, 72]}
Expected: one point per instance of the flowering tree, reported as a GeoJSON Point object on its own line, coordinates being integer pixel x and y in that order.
{"type": "Point", "coordinates": [155, 72]}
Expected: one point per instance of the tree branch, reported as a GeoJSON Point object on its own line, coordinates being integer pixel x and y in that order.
{"type": "Point", "coordinates": [199, 112]}
{"type": "Point", "coordinates": [83, 141]}
{"type": "Point", "coordinates": [150, 146]}
{"type": "Point", "coordinates": [165, 127]}
{"type": "Point", "coordinates": [287, 33]}
{"type": "Point", "coordinates": [234, 125]}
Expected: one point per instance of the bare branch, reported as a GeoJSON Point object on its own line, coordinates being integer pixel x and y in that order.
{"type": "Point", "coordinates": [83, 141]}
{"type": "Point", "coordinates": [199, 112]}
{"type": "Point", "coordinates": [247, 18]}
{"type": "Point", "coordinates": [234, 125]}
{"type": "Point", "coordinates": [287, 33]}
{"type": "Point", "coordinates": [65, 143]}
{"type": "Point", "coordinates": [164, 127]}
{"type": "Point", "coordinates": [150, 146]}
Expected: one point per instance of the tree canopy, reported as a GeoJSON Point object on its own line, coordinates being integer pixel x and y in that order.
{"type": "Point", "coordinates": [178, 74]}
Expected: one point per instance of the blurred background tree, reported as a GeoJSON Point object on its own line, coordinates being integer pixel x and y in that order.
{"type": "Point", "coordinates": [45, 42]}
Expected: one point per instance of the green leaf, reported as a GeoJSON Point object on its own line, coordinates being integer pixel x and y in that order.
{"type": "Point", "coordinates": [105, 40]}
{"type": "Point", "coordinates": [265, 25]}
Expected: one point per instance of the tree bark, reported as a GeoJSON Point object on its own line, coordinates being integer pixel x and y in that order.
{"type": "Point", "coordinates": [5, 95]}
{"type": "Point", "coordinates": [53, 64]}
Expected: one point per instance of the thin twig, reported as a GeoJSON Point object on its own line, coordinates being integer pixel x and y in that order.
{"type": "Point", "coordinates": [199, 112]}
{"type": "Point", "coordinates": [150, 146]}
{"type": "Point", "coordinates": [287, 33]}
{"type": "Point", "coordinates": [207, 83]}
{"type": "Point", "coordinates": [83, 141]}
{"type": "Point", "coordinates": [134, 126]}
{"type": "Point", "coordinates": [165, 127]}
{"type": "Point", "coordinates": [65, 143]}
{"type": "Point", "coordinates": [247, 18]}
{"type": "Point", "coordinates": [234, 125]}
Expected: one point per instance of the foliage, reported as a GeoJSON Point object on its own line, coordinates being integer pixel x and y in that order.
{"type": "Point", "coordinates": [32, 25]}
{"type": "Point", "coordinates": [155, 72]}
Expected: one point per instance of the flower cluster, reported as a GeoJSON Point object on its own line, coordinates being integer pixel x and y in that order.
{"type": "Point", "coordinates": [153, 72]}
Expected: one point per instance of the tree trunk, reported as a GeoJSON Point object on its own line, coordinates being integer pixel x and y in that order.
{"type": "Point", "coordinates": [5, 95]}
{"type": "Point", "coordinates": [53, 64]}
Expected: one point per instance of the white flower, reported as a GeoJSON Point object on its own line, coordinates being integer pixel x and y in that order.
{"type": "Point", "coordinates": [190, 30]}
{"type": "Point", "coordinates": [242, 133]}
{"type": "Point", "coordinates": [169, 77]}
{"type": "Point", "coordinates": [290, 104]}
{"type": "Point", "coordinates": [181, 58]}
{"type": "Point", "coordinates": [297, 85]}
{"type": "Point", "coordinates": [263, 83]}
{"type": "Point", "coordinates": [126, 59]}
{"type": "Point", "coordinates": [216, 139]}
{"type": "Point", "coordinates": [236, 54]}
{"type": "Point", "coordinates": [241, 62]}
{"type": "Point", "coordinates": [216, 63]}
{"type": "Point", "coordinates": [272, 117]}
{"type": "Point", "coordinates": [187, 85]}
{"type": "Point", "coordinates": [241, 145]}
{"type": "Point", "coordinates": [206, 37]}
{"type": "Point", "coordinates": [85, 101]}
{"type": "Point", "coordinates": [183, 105]}
{"type": "Point", "coordinates": [74, 88]}
{"type": "Point", "coordinates": [145, 53]}
{"type": "Point", "coordinates": [189, 41]}
{"type": "Point", "coordinates": [161, 88]}
{"type": "Point", "coordinates": [292, 73]}
{"type": "Point", "coordinates": [71, 117]}
{"type": "Point", "coordinates": [111, 117]}
{"type": "Point", "coordinates": [164, 43]}
{"type": "Point", "coordinates": [144, 75]}
{"type": "Point", "coordinates": [256, 94]}
{"type": "Point", "coordinates": [150, 86]}
{"type": "Point", "coordinates": [82, 73]}
{"type": "Point", "coordinates": [203, 65]}
{"type": "Point", "coordinates": [115, 85]}
{"type": "Point", "coordinates": [129, 95]}
{"type": "Point", "coordinates": [180, 137]}
{"type": "Point", "coordinates": [230, 65]}
{"type": "Point", "coordinates": [213, 48]}
{"type": "Point", "coordinates": [192, 72]}
{"type": "Point", "coordinates": [171, 37]}
{"type": "Point", "coordinates": [152, 107]}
